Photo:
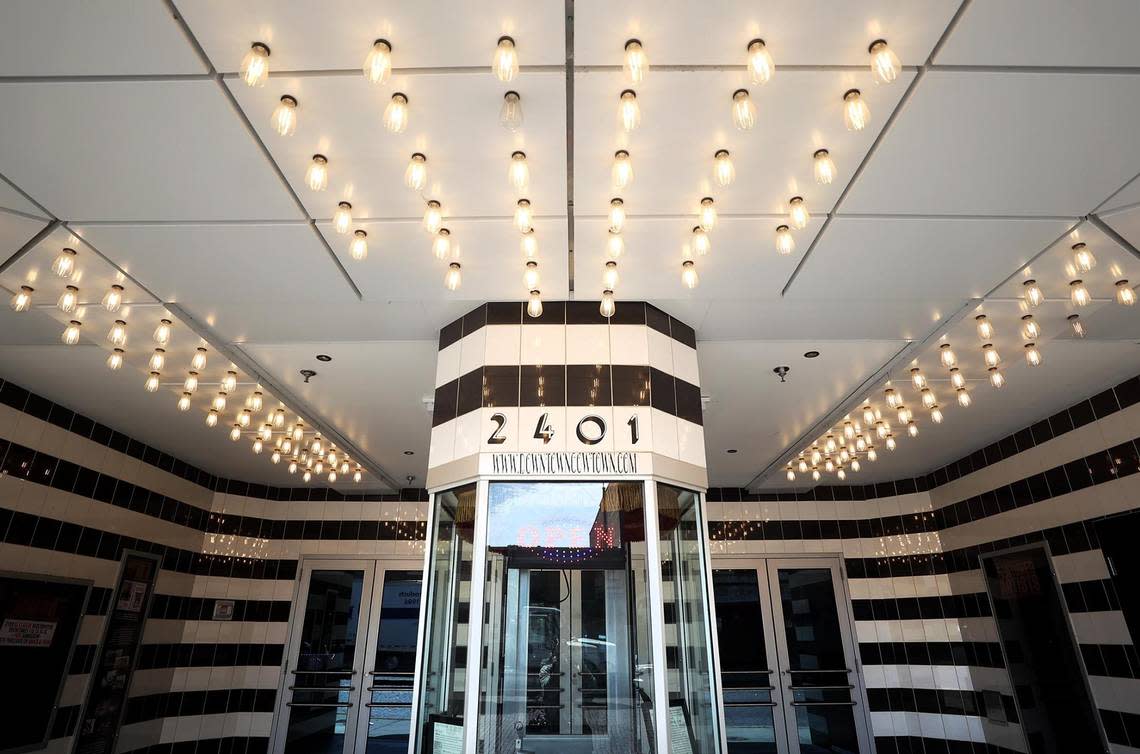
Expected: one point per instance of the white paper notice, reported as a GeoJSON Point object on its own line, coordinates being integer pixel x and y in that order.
{"type": "Point", "coordinates": [26, 633]}
{"type": "Point", "coordinates": [447, 738]}
{"type": "Point", "coordinates": [679, 742]}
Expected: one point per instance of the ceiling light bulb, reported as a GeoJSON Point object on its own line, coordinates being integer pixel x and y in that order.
{"type": "Point", "coordinates": [113, 299]}
{"type": "Point", "coordinates": [219, 401]}
{"type": "Point", "coordinates": [791, 475]}
{"type": "Point", "coordinates": [743, 110]}
{"type": "Point", "coordinates": [331, 457]}
{"type": "Point", "coordinates": [1077, 325]}
{"type": "Point", "coordinates": [235, 433]}
{"type": "Point", "coordinates": [882, 429]}
{"type": "Point", "coordinates": [855, 112]}
{"type": "Point", "coordinates": [276, 457]}
{"type": "Point", "coordinates": [258, 446]}
{"type": "Point", "coordinates": [990, 354]}
{"type": "Point", "coordinates": [802, 465]}
{"type": "Point", "coordinates": [530, 276]}
{"type": "Point", "coordinates": [617, 215]}
{"type": "Point", "coordinates": [855, 465]}
{"type": "Point", "coordinates": [844, 455]}
{"type": "Point", "coordinates": [378, 62]}
{"type": "Point", "coordinates": [707, 213]}
{"type": "Point", "coordinates": [505, 63]}
{"type": "Point", "coordinates": [306, 476]}
{"type": "Point", "coordinates": [1029, 330]}
{"type": "Point", "coordinates": [622, 172]}
{"type": "Point", "coordinates": [814, 474]}
{"type": "Point", "coordinates": [946, 355]}
{"type": "Point", "coordinates": [610, 275]}
{"type": "Point", "coordinates": [985, 328]}
{"type": "Point", "coordinates": [957, 379]}
{"type": "Point", "coordinates": [433, 217]}
{"type": "Point", "coordinates": [797, 213]}
{"type": "Point", "coordinates": [317, 176]}
{"type": "Point", "coordinates": [332, 477]}
{"type": "Point", "coordinates": [198, 360]}
{"type": "Point", "coordinates": [689, 274]}
{"type": "Point", "coordinates": [894, 400]}
{"type": "Point", "coordinates": [828, 465]}
{"type": "Point", "coordinates": [342, 217]}
{"type": "Point", "coordinates": [64, 264]}
{"type": "Point", "coordinates": [816, 456]}
{"type": "Point", "coordinates": [22, 301]}
{"type": "Point", "coordinates": [785, 242]}
{"type": "Point", "coordinates": [255, 401]}
{"type": "Point", "coordinates": [885, 65]}
{"type": "Point", "coordinates": [891, 444]}
{"type": "Point", "coordinates": [607, 305]}
{"type": "Point", "coordinates": [519, 172]}
{"type": "Point", "coordinates": [917, 378]}
{"type": "Point", "coordinates": [912, 430]}
{"type": "Point", "coordinates": [358, 247]}
{"type": "Point", "coordinates": [319, 467]}
{"type": "Point", "coordinates": [229, 382]}
{"type": "Point", "coordinates": [928, 399]}
{"type": "Point", "coordinates": [184, 402]}
{"type": "Point", "coordinates": [68, 300]}
{"type": "Point", "coordinates": [151, 384]}
{"type": "Point", "coordinates": [615, 245]}
{"type": "Point", "coordinates": [284, 118]}
{"type": "Point", "coordinates": [997, 379]}
{"type": "Point", "coordinates": [534, 304]}
{"type": "Point", "coordinates": [723, 169]}
{"type": "Point", "coordinates": [298, 432]}
{"type": "Point", "coordinates": [190, 384]}
{"type": "Point", "coordinates": [396, 113]}
{"type": "Point", "coordinates": [292, 465]}
{"type": "Point", "coordinates": [872, 455]}
{"type": "Point", "coordinates": [115, 360]}
{"type": "Point", "coordinates": [829, 445]}
{"type": "Point", "coordinates": [415, 177]}
{"type": "Point", "coordinates": [868, 414]}
{"type": "Point", "coordinates": [760, 65]}
{"type": "Point", "coordinates": [441, 244]}
{"type": "Point", "coordinates": [1032, 355]}
{"type": "Point", "coordinates": [71, 332]}
{"type": "Point", "coordinates": [701, 243]}
{"type": "Point", "coordinates": [1125, 295]}
{"type": "Point", "coordinates": [1033, 295]}
{"type": "Point", "coordinates": [255, 65]}
{"type": "Point", "coordinates": [157, 360]}
{"type": "Point", "coordinates": [629, 113]}
{"type": "Point", "coordinates": [511, 113]}
{"type": "Point", "coordinates": [963, 397]}
{"type": "Point", "coordinates": [903, 414]}
{"type": "Point", "coordinates": [1078, 294]}
{"type": "Point", "coordinates": [823, 167]}
{"type": "Point", "coordinates": [245, 417]}
{"type": "Point", "coordinates": [524, 215]}
{"type": "Point", "coordinates": [636, 62]}
{"type": "Point", "coordinates": [936, 414]}
{"type": "Point", "coordinates": [1083, 257]}
{"type": "Point", "coordinates": [453, 277]}
{"type": "Point", "coordinates": [528, 244]}
{"type": "Point", "coordinates": [265, 432]}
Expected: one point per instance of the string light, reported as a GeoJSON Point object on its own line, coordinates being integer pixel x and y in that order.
{"type": "Point", "coordinates": [723, 169]}
{"type": "Point", "coordinates": [622, 172]}
{"type": "Point", "coordinates": [743, 110]}
{"type": "Point", "coordinates": [505, 63]}
{"type": "Point", "coordinates": [615, 245]}
{"type": "Point", "coordinates": [68, 300]}
{"type": "Point", "coordinates": [22, 301]}
{"type": "Point", "coordinates": [157, 360]}
{"type": "Point", "coordinates": [1125, 295]}
{"type": "Point", "coordinates": [115, 360]}
{"type": "Point", "coordinates": [1033, 295]}
{"type": "Point", "coordinates": [607, 305]}
{"type": "Point", "coordinates": [524, 217]}
{"type": "Point", "coordinates": [701, 243]}
{"type": "Point", "coordinates": [433, 216]}
{"type": "Point", "coordinates": [636, 62]}
{"type": "Point", "coordinates": [1078, 294]}
{"type": "Point", "coordinates": [255, 65]}
{"type": "Point", "coordinates": [511, 113]}
{"type": "Point", "coordinates": [113, 298]}
{"type": "Point", "coordinates": [453, 277]}
{"type": "Point", "coordinates": [519, 172]}
{"type": "Point", "coordinates": [64, 263]}
{"type": "Point", "coordinates": [1029, 330]}
{"type": "Point", "coordinates": [997, 379]}
{"type": "Point", "coordinates": [284, 117]}
{"type": "Point", "coordinates": [885, 65]}
{"type": "Point", "coordinates": [441, 244]}
{"type": "Point", "coordinates": [707, 214]}
{"type": "Point", "coordinates": [415, 177]}
{"type": "Point", "coordinates": [689, 274]}
{"type": "Point", "coordinates": [990, 355]}
{"type": "Point", "coordinates": [629, 113]}
{"type": "Point", "coordinates": [342, 218]}
{"type": "Point", "coordinates": [396, 113]}
{"type": "Point", "coordinates": [985, 328]}
{"type": "Point", "coordinates": [317, 176]}
{"type": "Point", "coordinates": [855, 111]}
{"type": "Point", "coordinates": [823, 167]}
{"type": "Point", "coordinates": [1077, 325]}
{"type": "Point", "coordinates": [1083, 257]}
{"type": "Point", "coordinates": [378, 62]}
{"type": "Point", "coordinates": [1032, 355]}
{"type": "Point", "coordinates": [184, 402]}
{"type": "Point", "coordinates": [358, 248]}
{"type": "Point", "coordinates": [760, 65]}
{"type": "Point", "coordinates": [957, 379]}
{"type": "Point", "coordinates": [534, 304]}
{"type": "Point", "coordinates": [797, 213]}
{"type": "Point", "coordinates": [785, 242]}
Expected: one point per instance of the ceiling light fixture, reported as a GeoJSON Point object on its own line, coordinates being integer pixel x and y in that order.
{"type": "Point", "coordinates": [957, 379]}
{"type": "Point", "coordinates": [701, 243]}
{"type": "Point", "coordinates": [985, 327]}
{"type": "Point", "coordinates": [151, 384]}
{"type": "Point", "coordinates": [534, 304]}
{"type": "Point", "coordinates": [823, 167]}
{"type": "Point", "coordinates": [229, 382]}
{"type": "Point", "coordinates": [162, 332]}
{"type": "Point", "coordinates": [219, 401]}
{"type": "Point", "coordinates": [396, 113]}
{"type": "Point", "coordinates": [284, 117]}
{"type": "Point", "coordinates": [1078, 294]}
{"type": "Point", "coordinates": [615, 245]}
{"type": "Point", "coordinates": [1032, 355]}
{"type": "Point", "coordinates": [342, 218]}
{"type": "Point", "coordinates": [760, 64]}
{"type": "Point", "coordinates": [617, 215]}
{"type": "Point", "coordinates": [157, 360]}
{"type": "Point", "coordinates": [113, 298]}
{"type": "Point", "coordinates": [198, 360]}
{"type": "Point", "coordinates": [519, 172]}
{"type": "Point", "coordinates": [607, 307]}
{"type": "Point", "coordinates": [524, 217]}
{"type": "Point", "coordinates": [453, 278]}
{"type": "Point", "coordinates": [511, 113]}
{"type": "Point", "coordinates": [855, 111]}
{"type": "Point", "coordinates": [378, 62]}
{"type": "Point", "coordinates": [1125, 295]}
{"type": "Point", "coordinates": [928, 398]}
{"type": "Point", "coordinates": [885, 65]}
{"type": "Point", "coordinates": [1033, 295]}
{"type": "Point", "coordinates": [317, 176]}
{"type": "Point", "coordinates": [358, 248]}
{"type": "Point", "coordinates": [917, 378]}
{"type": "Point", "coordinates": [505, 63]}
{"type": "Point", "coordinates": [22, 301]}
{"type": "Point", "coordinates": [528, 244]}
{"type": "Point", "coordinates": [255, 65]}
{"type": "Point", "coordinates": [433, 217]}
{"type": "Point", "coordinates": [115, 360]}
{"type": "Point", "coordinates": [689, 274]}
{"type": "Point", "coordinates": [415, 177]}
{"type": "Point", "coordinates": [610, 275]}
{"type": "Point", "coordinates": [997, 379]}
{"type": "Point", "coordinates": [1078, 327]}
{"type": "Point", "coordinates": [190, 384]}
{"type": "Point", "coordinates": [1083, 257]}
{"type": "Point", "coordinates": [118, 336]}
{"type": "Point", "coordinates": [629, 113]}
{"type": "Point", "coordinates": [707, 214]}
{"type": "Point", "coordinates": [68, 300]}
{"type": "Point", "coordinates": [184, 402]}
{"type": "Point", "coordinates": [530, 275]}
{"type": "Point", "coordinates": [990, 355]}
{"type": "Point", "coordinates": [946, 356]}
{"type": "Point", "coordinates": [636, 62]}
{"type": "Point", "coordinates": [743, 110]}
{"type": "Point", "coordinates": [622, 172]}
{"type": "Point", "coordinates": [785, 242]}
{"type": "Point", "coordinates": [245, 417]}
{"type": "Point", "coordinates": [441, 244]}
{"type": "Point", "coordinates": [797, 213]}
{"type": "Point", "coordinates": [723, 169]}
{"type": "Point", "coordinates": [64, 264]}
{"type": "Point", "coordinates": [1029, 330]}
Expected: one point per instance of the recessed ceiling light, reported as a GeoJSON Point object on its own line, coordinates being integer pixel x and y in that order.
{"type": "Point", "coordinates": [811, 354]}
{"type": "Point", "coordinates": [323, 357]}
{"type": "Point", "coordinates": [409, 452]}
{"type": "Point", "coordinates": [731, 451]}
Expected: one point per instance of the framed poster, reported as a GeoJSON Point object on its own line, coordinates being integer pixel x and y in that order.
{"type": "Point", "coordinates": [39, 625]}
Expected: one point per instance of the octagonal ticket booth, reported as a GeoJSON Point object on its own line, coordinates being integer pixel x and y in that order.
{"type": "Point", "coordinates": [566, 586]}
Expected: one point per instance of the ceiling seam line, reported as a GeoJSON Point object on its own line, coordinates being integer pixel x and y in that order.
{"type": "Point", "coordinates": [455, 70]}
{"type": "Point", "coordinates": [25, 215]}
{"type": "Point", "coordinates": [30, 244]}
{"type": "Point", "coordinates": [569, 41]}
{"type": "Point", "coordinates": [879, 138]}
{"type": "Point", "coordinates": [260, 143]}
{"type": "Point", "coordinates": [1116, 193]}
{"type": "Point", "coordinates": [1042, 69]}
{"type": "Point", "coordinates": [1111, 232]}
{"type": "Point", "coordinates": [108, 78]}
{"type": "Point", "coordinates": [49, 215]}
{"type": "Point", "coordinates": [1032, 259]}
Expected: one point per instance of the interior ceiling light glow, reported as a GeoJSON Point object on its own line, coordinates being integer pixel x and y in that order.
{"type": "Point", "coordinates": [255, 65]}
{"type": "Point", "coordinates": [689, 274]}
{"type": "Point", "coordinates": [622, 172]}
{"type": "Point", "coordinates": [157, 360]}
{"type": "Point", "coordinates": [823, 167]}
{"type": "Point", "coordinates": [636, 63]}
{"type": "Point", "coordinates": [1029, 328]}
{"type": "Point", "coordinates": [433, 217]}
{"type": "Point", "coordinates": [229, 382]}
{"type": "Point", "coordinates": [701, 243]}
{"type": "Point", "coordinates": [115, 360]}
{"type": "Point", "coordinates": [184, 402]}
{"type": "Point", "coordinates": [441, 244]}
{"type": "Point", "coordinates": [190, 384]}
{"type": "Point", "coordinates": [629, 112]}
{"type": "Point", "coordinates": [856, 114]}
{"type": "Point", "coordinates": [797, 213]}
{"type": "Point", "coordinates": [113, 298]}
{"type": "Point", "coordinates": [284, 117]}
{"type": "Point", "coordinates": [151, 384]}
{"type": "Point", "coordinates": [743, 110]}
{"type": "Point", "coordinates": [255, 401]}
{"type": "Point", "coordinates": [917, 378]}
{"type": "Point", "coordinates": [785, 242]}
{"type": "Point", "coordinates": [1078, 293]}
{"type": "Point", "coordinates": [198, 360]}
{"type": "Point", "coordinates": [528, 244]}
{"type": "Point", "coordinates": [610, 275]}
{"type": "Point", "coordinates": [530, 275]}
{"type": "Point", "coordinates": [946, 356]}
{"type": "Point", "coordinates": [723, 170]}
{"type": "Point", "coordinates": [1032, 355]}
{"type": "Point", "coordinates": [957, 379]}
{"type": "Point", "coordinates": [317, 176]}
{"type": "Point", "coordinates": [990, 355]}
{"type": "Point", "coordinates": [22, 300]}
{"type": "Point", "coordinates": [1125, 295]}
{"type": "Point", "coordinates": [415, 177]}
{"type": "Point", "coordinates": [617, 215]}
{"type": "Point", "coordinates": [68, 300]}
{"type": "Point", "coordinates": [524, 216]}
{"type": "Point", "coordinates": [453, 278]}
{"type": "Point", "coordinates": [1083, 257]}
{"type": "Point", "coordinates": [358, 248]}
{"type": "Point", "coordinates": [534, 304]}
{"type": "Point", "coordinates": [1033, 294]}
{"type": "Point", "coordinates": [511, 113]}
{"type": "Point", "coordinates": [615, 245]}
{"type": "Point", "coordinates": [519, 172]}
{"type": "Point", "coordinates": [64, 264]}
{"type": "Point", "coordinates": [607, 307]}
{"type": "Point", "coordinates": [162, 332]}
{"type": "Point", "coordinates": [985, 327]}
{"type": "Point", "coordinates": [396, 113]}
{"type": "Point", "coordinates": [1078, 326]}
{"type": "Point", "coordinates": [505, 63]}
{"type": "Point", "coordinates": [378, 62]}
{"type": "Point", "coordinates": [760, 64]}
{"type": "Point", "coordinates": [342, 218]}
{"type": "Point", "coordinates": [885, 65]}
{"type": "Point", "coordinates": [997, 379]}
{"type": "Point", "coordinates": [707, 214]}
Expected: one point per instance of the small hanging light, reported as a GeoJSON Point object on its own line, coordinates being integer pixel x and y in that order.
{"type": "Point", "coordinates": [255, 401]}
{"type": "Point", "coordinates": [743, 110]}
{"type": "Point", "coordinates": [113, 298]}
{"type": "Point", "coordinates": [885, 65]}
{"type": "Point", "coordinates": [505, 63]}
{"type": "Point", "coordinates": [229, 382]}
{"type": "Point", "coordinates": [298, 431]}
{"type": "Point", "coordinates": [332, 477]}
{"type": "Point", "coordinates": [872, 455]}
{"type": "Point", "coordinates": [441, 244]}
{"type": "Point", "coordinates": [528, 244]}
{"type": "Point", "coordinates": [802, 465]}
{"type": "Point", "coordinates": [115, 360]}
{"type": "Point", "coordinates": [1077, 325]}
{"type": "Point", "coordinates": [963, 397]}
{"type": "Point", "coordinates": [235, 433]}
{"type": "Point", "coordinates": [1029, 328]}
{"type": "Point", "coordinates": [689, 274]}
{"type": "Point", "coordinates": [519, 171]}
{"type": "Point", "coordinates": [356, 475]}
{"type": "Point", "coordinates": [891, 444]}
{"type": "Point", "coordinates": [928, 399]}
{"type": "Point", "coordinates": [68, 300]}
{"type": "Point", "coordinates": [868, 414]}
{"type": "Point", "coordinates": [1032, 355]}
{"type": "Point", "coordinates": [258, 446]}
{"type": "Point", "coordinates": [797, 213]}
{"type": "Point", "coordinates": [723, 169]}
{"type": "Point", "coordinates": [433, 216]}
{"type": "Point", "coordinates": [629, 112]}
{"type": "Point", "coordinates": [396, 113]}
{"type": "Point", "coordinates": [957, 379]}
{"type": "Point", "coordinates": [617, 215]}
{"type": "Point", "coordinates": [917, 378]}
{"type": "Point", "coordinates": [707, 214]}
{"type": "Point", "coordinates": [791, 474]}
{"type": "Point", "coordinates": [265, 432]}
{"type": "Point", "coordinates": [198, 360]}
{"type": "Point", "coordinates": [212, 418]}
{"type": "Point", "coordinates": [184, 402]}
{"type": "Point", "coordinates": [1083, 257]}
{"type": "Point", "coordinates": [855, 465]}
{"type": "Point", "coordinates": [912, 430]}
{"type": "Point", "coordinates": [162, 332]}
{"type": "Point", "coordinates": [157, 360]}
{"type": "Point", "coordinates": [936, 414]}
{"type": "Point", "coordinates": [904, 415]}
{"type": "Point", "coordinates": [64, 263]}
{"type": "Point", "coordinates": [307, 476]}
{"type": "Point", "coordinates": [219, 402]}
{"type": "Point", "coordinates": [855, 111]}
{"type": "Point", "coordinates": [1125, 295]}
{"type": "Point", "coordinates": [997, 379]}
{"type": "Point", "coordinates": [760, 65]}
{"type": "Point", "coordinates": [701, 243]}
{"type": "Point", "coordinates": [511, 113]}
{"type": "Point", "coordinates": [342, 217]}
{"type": "Point", "coordinates": [990, 355]}
{"type": "Point", "coordinates": [255, 65]}
{"type": "Point", "coordinates": [317, 176]}
{"type": "Point", "coordinates": [279, 417]}
{"type": "Point", "coordinates": [894, 400]}
{"type": "Point", "coordinates": [946, 355]}
{"type": "Point", "coordinates": [292, 465]}
{"type": "Point", "coordinates": [358, 247]}
{"type": "Point", "coordinates": [622, 172]}
{"type": "Point", "coordinates": [1078, 294]}
{"type": "Point", "coordinates": [815, 474]}
{"type": "Point", "coordinates": [610, 275]}
{"type": "Point", "coordinates": [190, 384]}
{"type": "Point", "coordinates": [534, 305]}
{"type": "Point", "coordinates": [284, 118]}
{"type": "Point", "coordinates": [615, 245]}
{"type": "Point", "coordinates": [823, 167]}
{"type": "Point", "coordinates": [378, 62]}
{"type": "Point", "coordinates": [607, 305]}
{"type": "Point", "coordinates": [275, 458]}
{"type": "Point", "coordinates": [1033, 295]}
{"type": "Point", "coordinates": [245, 417]}
{"type": "Point", "coordinates": [636, 62]}
{"type": "Point", "coordinates": [524, 216]}
{"type": "Point", "coordinates": [415, 177]}
{"type": "Point", "coordinates": [785, 242]}
{"type": "Point", "coordinates": [530, 275]}
{"type": "Point", "coordinates": [453, 278]}
{"type": "Point", "coordinates": [22, 301]}
{"type": "Point", "coordinates": [985, 327]}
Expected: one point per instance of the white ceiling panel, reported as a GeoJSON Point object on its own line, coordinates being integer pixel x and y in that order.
{"type": "Point", "coordinates": [203, 265]}
{"type": "Point", "coordinates": [92, 276]}
{"type": "Point", "coordinates": [686, 117]}
{"type": "Point", "coordinates": [742, 263]}
{"type": "Point", "coordinates": [1126, 198]}
{"type": "Point", "coordinates": [1045, 33]}
{"type": "Point", "coordinates": [337, 34]}
{"type": "Point", "coordinates": [382, 422]}
{"type": "Point", "coordinates": [140, 150]}
{"type": "Point", "coordinates": [1127, 224]}
{"type": "Point", "coordinates": [818, 32]}
{"type": "Point", "coordinates": [872, 318]}
{"type": "Point", "coordinates": [15, 231]}
{"type": "Point", "coordinates": [996, 144]}
{"type": "Point", "coordinates": [341, 117]}
{"type": "Point", "coordinates": [107, 38]}
{"type": "Point", "coordinates": [400, 264]}
{"type": "Point", "coordinates": [11, 199]}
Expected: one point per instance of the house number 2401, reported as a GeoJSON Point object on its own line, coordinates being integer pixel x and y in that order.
{"type": "Point", "coordinates": [591, 429]}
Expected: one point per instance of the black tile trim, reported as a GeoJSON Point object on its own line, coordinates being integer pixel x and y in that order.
{"type": "Point", "coordinates": [212, 702]}
{"type": "Point", "coordinates": [179, 607]}
{"type": "Point", "coordinates": [228, 745]}
{"type": "Point", "coordinates": [967, 605]}
{"type": "Point", "coordinates": [922, 745]}
{"type": "Point", "coordinates": [211, 655]}
{"type": "Point", "coordinates": [977, 654]}
{"type": "Point", "coordinates": [1121, 727]}
{"type": "Point", "coordinates": [936, 701]}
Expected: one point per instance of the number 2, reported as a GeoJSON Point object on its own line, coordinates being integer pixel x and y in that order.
{"type": "Point", "coordinates": [497, 437]}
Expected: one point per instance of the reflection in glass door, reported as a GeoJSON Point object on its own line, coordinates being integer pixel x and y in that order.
{"type": "Point", "coordinates": [348, 682]}
{"type": "Point", "coordinates": [788, 658]}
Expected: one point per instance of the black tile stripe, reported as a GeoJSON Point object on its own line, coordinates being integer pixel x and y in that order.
{"type": "Point", "coordinates": [922, 745]}
{"type": "Point", "coordinates": [213, 702]}
{"type": "Point", "coordinates": [212, 655]}
{"type": "Point", "coordinates": [1121, 727]}
{"type": "Point", "coordinates": [178, 607]}
{"type": "Point", "coordinates": [1111, 660]}
{"type": "Point", "coordinates": [977, 654]}
{"type": "Point", "coordinates": [936, 701]}
{"type": "Point", "coordinates": [1092, 596]}
{"type": "Point", "coordinates": [970, 605]}
{"type": "Point", "coordinates": [228, 745]}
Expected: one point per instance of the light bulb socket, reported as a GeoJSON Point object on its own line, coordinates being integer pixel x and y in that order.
{"type": "Point", "coordinates": [1027, 318]}
{"type": "Point", "coordinates": [27, 289]}
{"type": "Point", "coordinates": [782, 228]}
{"type": "Point", "coordinates": [627, 91]}
{"type": "Point", "coordinates": [1073, 317]}
{"type": "Point", "coordinates": [454, 265]}
{"type": "Point", "coordinates": [523, 202]}
{"type": "Point", "coordinates": [720, 153]}
{"type": "Point", "coordinates": [708, 199]}
{"type": "Point", "coordinates": [320, 159]}
{"type": "Point", "coordinates": [756, 41]}
{"type": "Point", "coordinates": [621, 154]}
{"type": "Point", "coordinates": [289, 100]}
{"type": "Point", "coordinates": [398, 96]}
{"type": "Point", "coordinates": [505, 38]}
{"type": "Point", "coordinates": [847, 94]}
{"type": "Point", "coordinates": [871, 47]}
{"type": "Point", "coordinates": [980, 318]}
{"type": "Point", "coordinates": [511, 93]}
{"type": "Point", "coordinates": [71, 288]}
{"type": "Point", "coordinates": [617, 201]}
{"type": "Point", "coordinates": [820, 153]}
{"type": "Point", "coordinates": [741, 91]}
{"type": "Point", "coordinates": [517, 154]}
{"type": "Point", "coordinates": [260, 46]}
{"type": "Point", "coordinates": [1079, 246]}
{"type": "Point", "coordinates": [118, 288]}
{"type": "Point", "coordinates": [1078, 281]}
{"type": "Point", "coordinates": [611, 263]}
{"type": "Point", "coordinates": [1120, 283]}
{"type": "Point", "coordinates": [360, 233]}
{"type": "Point", "coordinates": [687, 263]}
{"type": "Point", "coordinates": [607, 292]}
{"type": "Point", "coordinates": [384, 42]}
{"type": "Point", "coordinates": [531, 264]}
{"type": "Point", "coordinates": [419, 156]}
{"type": "Point", "coordinates": [1029, 282]}
{"type": "Point", "coordinates": [444, 232]}
{"type": "Point", "coordinates": [796, 199]}
{"type": "Point", "coordinates": [433, 204]}
{"type": "Point", "coordinates": [344, 205]}
{"type": "Point", "coordinates": [629, 42]}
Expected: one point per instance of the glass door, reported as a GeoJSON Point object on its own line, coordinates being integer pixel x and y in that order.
{"type": "Point", "coordinates": [787, 656]}
{"type": "Point", "coordinates": [348, 685]}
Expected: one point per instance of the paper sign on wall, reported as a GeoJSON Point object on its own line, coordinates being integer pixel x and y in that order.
{"type": "Point", "coordinates": [26, 633]}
